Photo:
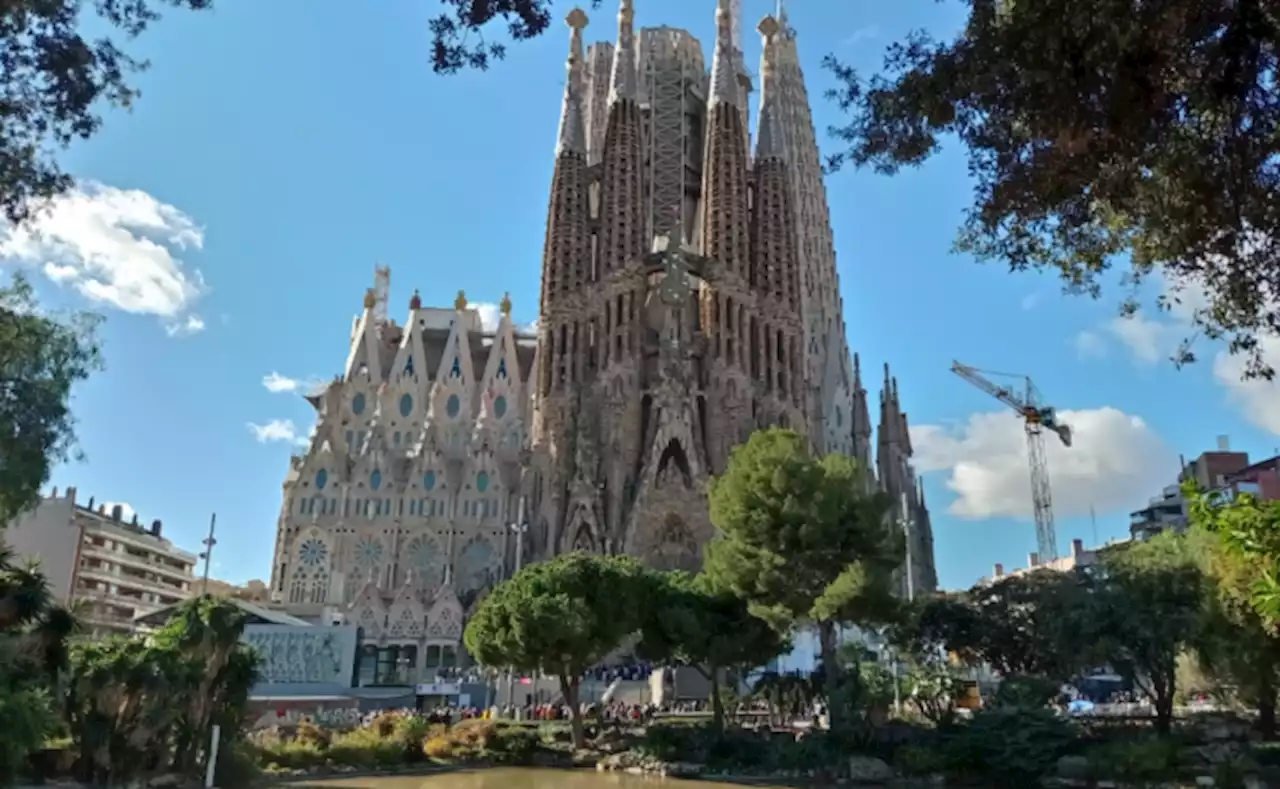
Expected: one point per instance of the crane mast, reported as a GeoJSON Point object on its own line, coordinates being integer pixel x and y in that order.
{"type": "Point", "coordinates": [1036, 418]}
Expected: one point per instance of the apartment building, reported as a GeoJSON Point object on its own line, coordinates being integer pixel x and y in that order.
{"type": "Point", "coordinates": [1223, 471]}
{"type": "Point", "coordinates": [109, 569]}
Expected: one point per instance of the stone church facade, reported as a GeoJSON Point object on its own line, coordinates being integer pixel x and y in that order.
{"type": "Point", "coordinates": [665, 337]}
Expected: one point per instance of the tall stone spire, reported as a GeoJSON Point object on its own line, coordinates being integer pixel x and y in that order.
{"type": "Point", "coordinates": [623, 85]}
{"type": "Point", "coordinates": [566, 254]}
{"type": "Point", "coordinates": [724, 178]}
{"type": "Point", "coordinates": [622, 217]}
{"type": "Point", "coordinates": [774, 274]}
{"type": "Point", "coordinates": [861, 418]}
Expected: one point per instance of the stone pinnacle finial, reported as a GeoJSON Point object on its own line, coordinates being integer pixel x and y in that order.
{"type": "Point", "coordinates": [622, 82]}
{"type": "Point", "coordinates": [460, 303]}
{"type": "Point", "coordinates": [768, 27]}
{"type": "Point", "coordinates": [415, 303]}
{"type": "Point", "coordinates": [505, 306]}
{"type": "Point", "coordinates": [370, 299]}
{"type": "Point", "coordinates": [576, 20]}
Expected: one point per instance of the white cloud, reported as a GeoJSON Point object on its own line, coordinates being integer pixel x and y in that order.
{"type": "Point", "coordinates": [277, 430]}
{"type": "Point", "coordinates": [1149, 341]}
{"type": "Point", "coordinates": [1030, 301]}
{"type": "Point", "coordinates": [1257, 400]}
{"type": "Point", "coordinates": [116, 247]}
{"type": "Point", "coordinates": [1090, 344]}
{"type": "Point", "coordinates": [276, 383]}
{"type": "Point", "coordinates": [489, 315]}
{"type": "Point", "coordinates": [1116, 460]}
{"type": "Point", "coordinates": [862, 34]}
{"type": "Point", "coordinates": [126, 509]}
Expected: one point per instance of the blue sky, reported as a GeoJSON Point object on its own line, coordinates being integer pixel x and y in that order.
{"type": "Point", "coordinates": [280, 149]}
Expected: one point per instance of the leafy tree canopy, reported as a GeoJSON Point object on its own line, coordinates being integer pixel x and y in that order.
{"type": "Point", "coordinates": [457, 33]}
{"type": "Point", "coordinates": [54, 75]}
{"type": "Point", "coordinates": [802, 538]}
{"type": "Point", "coordinates": [1098, 129]}
{"type": "Point", "coordinates": [1020, 625]}
{"type": "Point", "coordinates": [691, 624]}
{"type": "Point", "coordinates": [1249, 529]}
{"type": "Point", "coordinates": [560, 617]}
{"type": "Point", "coordinates": [1147, 603]}
{"type": "Point", "coordinates": [41, 358]}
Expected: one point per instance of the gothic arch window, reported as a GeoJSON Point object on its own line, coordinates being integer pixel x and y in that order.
{"type": "Point", "coordinates": [319, 588]}
{"type": "Point", "coordinates": [674, 459]}
{"type": "Point", "coordinates": [298, 587]}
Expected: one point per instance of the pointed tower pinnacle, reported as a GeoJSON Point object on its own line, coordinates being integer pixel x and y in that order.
{"type": "Point", "coordinates": [724, 72]}
{"type": "Point", "coordinates": [769, 137]}
{"type": "Point", "coordinates": [573, 133]}
{"type": "Point", "coordinates": [623, 82]}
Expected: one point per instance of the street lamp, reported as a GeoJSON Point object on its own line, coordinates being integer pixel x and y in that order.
{"type": "Point", "coordinates": [518, 528]}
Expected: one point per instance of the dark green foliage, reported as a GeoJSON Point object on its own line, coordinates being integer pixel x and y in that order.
{"type": "Point", "coordinates": [144, 705]}
{"type": "Point", "coordinates": [803, 540]}
{"type": "Point", "coordinates": [1027, 692]}
{"type": "Point", "coordinates": [1096, 130]}
{"type": "Point", "coordinates": [60, 67]}
{"type": "Point", "coordinates": [691, 624]}
{"type": "Point", "coordinates": [1008, 746]}
{"type": "Point", "coordinates": [1138, 762]}
{"type": "Point", "coordinates": [457, 34]}
{"type": "Point", "coordinates": [1143, 611]}
{"type": "Point", "coordinates": [560, 617]}
{"type": "Point", "coordinates": [41, 358]}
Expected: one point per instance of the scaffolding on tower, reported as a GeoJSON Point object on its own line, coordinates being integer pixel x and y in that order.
{"type": "Point", "coordinates": [1036, 418]}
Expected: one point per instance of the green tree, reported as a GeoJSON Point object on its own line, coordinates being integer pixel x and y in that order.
{"type": "Point", "coordinates": [1098, 130]}
{"type": "Point", "coordinates": [1018, 625]}
{"type": "Point", "coordinates": [41, 358]}
{"type": "Point", "coordinates": [691, 624]}
{"type": "Point", "coordinates": [33, 636]}
{"type": "Point", "coordinates": [802, 540]}
{"type": "Point", "coordinates": [1250, 528]}
{"type": "Point", "coordinates": [560, 617]}
{"type": "Point", "coordinates": [1235, 644]}
{"type": "Point", "coordinates": [1144, 610]}
{"type": "Point", "coordinates": [60, 66]}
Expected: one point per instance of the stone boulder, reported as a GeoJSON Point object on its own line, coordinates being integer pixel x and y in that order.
{"type": "Point", "coordinates": [869, 770]}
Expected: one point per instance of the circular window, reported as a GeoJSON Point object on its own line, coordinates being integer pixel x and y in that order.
{"type": "Point", "coordinates": [482, 482]}
{"type": "Point", "coordinates": [368, 552]}
{"type": "Point", "coordinates": [322, 479]}
{"type": "Point", "coordinates": [357, 404]}
{"type": "Point", "coordinates": [406, 405]}
{"type": "Point", "coordinates": [500, 406]}
{"type": "Point", "coordinates": [313, 552]}
{"type": "Point", "coordinates": [452, 406]}
{"type": "Point", "coordinates": [375, 479]}
{"type": "Point", "coordinates": [429, 481]}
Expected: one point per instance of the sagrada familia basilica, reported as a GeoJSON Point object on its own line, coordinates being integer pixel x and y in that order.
{"type": "Point", "coordinates": [689, 297]}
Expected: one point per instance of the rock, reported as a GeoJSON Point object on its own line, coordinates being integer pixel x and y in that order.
{"type": "Point", "coordinates": [869, 770]}
{"type": "Point", "coordinates": [1074, 768]}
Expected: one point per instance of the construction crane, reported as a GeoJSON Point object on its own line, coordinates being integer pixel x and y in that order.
{"type": "Point", "coordinates": [1036, 419]}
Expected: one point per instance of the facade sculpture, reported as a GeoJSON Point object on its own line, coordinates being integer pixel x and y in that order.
{"type": "Point", "coordinates": [679, 312]}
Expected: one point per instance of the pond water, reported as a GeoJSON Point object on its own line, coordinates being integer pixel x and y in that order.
{"type": "Point", "coordinates": [514, 779]}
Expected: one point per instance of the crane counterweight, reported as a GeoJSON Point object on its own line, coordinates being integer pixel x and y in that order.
{"type": "Point", "coordinates": [1036, 418]}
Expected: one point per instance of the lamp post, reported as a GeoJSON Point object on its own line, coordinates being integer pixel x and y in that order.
{"type": "Point", "coordinates": [207, 555]}
{"type": "Point", "coordinates": [519, 528]}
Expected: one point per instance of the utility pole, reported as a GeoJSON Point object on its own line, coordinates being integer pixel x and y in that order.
{"type": "Point", "coordinates": [208, 543]}
{"type": "Point", "coordinates": [519, 527]}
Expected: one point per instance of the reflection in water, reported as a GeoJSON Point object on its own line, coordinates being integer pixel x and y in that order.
{"type": "Point", "coordinates": [507, 779]}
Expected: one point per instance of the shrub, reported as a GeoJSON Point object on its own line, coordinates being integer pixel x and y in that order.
{"type": "Point", "coordinates": [1136, 761]}
{"type": "Point", "coordinates": [237, 764]}
{"type": "Point", "coordinates": [312, 734]}
{"type": "Point", "coordinates": [438, 748]}
{"type": "Point", "coordinates": [1008, 745]}
{"type": "Point", "coordinates": [514, 745]}
{"type": "Point", "coordinates": [410, 732]}
{"type": "Point", "coordinates": [289, 754]}
{"type": "Point", "coordinates": [917, 760]}
{"type": "Point", "coordinates": [365, 748]}
{"type": "Point", "coordinates": [1022, 691]}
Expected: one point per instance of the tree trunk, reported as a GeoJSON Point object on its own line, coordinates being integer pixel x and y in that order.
{"type": "Point", "coordinates": [717, 703]}
{"type": "Point", "coordinates": [833, 675]}
{"type": "Point", "coordinates": [569, 689]}
{"type": "Point", "coordinates": [1267, 704]}
{"type": "Point", "coordinates": [1162, 699]}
